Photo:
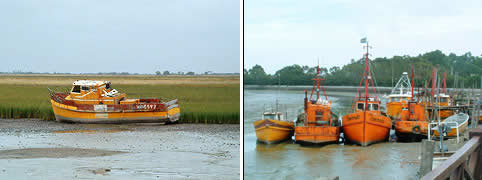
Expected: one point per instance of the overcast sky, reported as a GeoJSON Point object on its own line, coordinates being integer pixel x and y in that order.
{"type": "Point", "coordinates": [280, 33]}
{"type": "Point", "coordinates": [139, 36]}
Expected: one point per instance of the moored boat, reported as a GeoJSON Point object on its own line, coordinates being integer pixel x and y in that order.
{"type": "Point", "coordinates": [453, 122]}
{"type": "Point", "coordinates": [96, 102]}
{"type": "Point", "coordinates": [273, 128]}
{"type": "Point", "coordinates": [399, 97]}
{"type": "Point", "coordinates": [366, 125]}
{"type": "Point", "coordinates": [411, 123]}
{"type": "Point", "coordinates": [317, 124]}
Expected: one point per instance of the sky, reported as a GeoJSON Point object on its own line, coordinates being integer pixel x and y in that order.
{"type": "Point", "coordinates": [142, 36]}
{"type": "Point", "coordinates": [279, 33]}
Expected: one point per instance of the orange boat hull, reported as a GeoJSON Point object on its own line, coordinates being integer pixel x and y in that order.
{"type": "Point", "coordinates": [411, 130]}
{"type": "Point", "coordinates": [273, 131]}
{"type": "Point", "coordinates": [365, 128]}
{"type": "Point", "coordinates": [317, 134]}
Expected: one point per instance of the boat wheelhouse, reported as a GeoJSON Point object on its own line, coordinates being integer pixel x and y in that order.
{"type": "Point", "coordinates": [399, 96]}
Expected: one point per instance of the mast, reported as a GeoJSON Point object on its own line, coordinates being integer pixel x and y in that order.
{"type": "Point", "coordinates": [445, 84]}
{"type": "Point", "coordinates": [318, 83]}
{"type": "Point", "coordinates": [367, 70]}
{"type": "Point", "coordinates": [413, 81]}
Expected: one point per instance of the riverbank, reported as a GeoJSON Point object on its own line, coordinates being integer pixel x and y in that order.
{"type": "Point", "coordinates": [131, 151]}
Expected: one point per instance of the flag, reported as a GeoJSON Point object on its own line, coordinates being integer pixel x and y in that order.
{"type": "Point", "coordinates": [363, 40]}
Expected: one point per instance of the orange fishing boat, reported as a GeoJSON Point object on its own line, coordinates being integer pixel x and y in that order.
{"type": "Point", "coordinates": [411, 124]}
{"type": "Point", "coordinates": [96, 102]}
{"type": "Point", "coordinates": [444, 101]}
{"type": "Point", "coordinates": [366, 125]}
{"type": "Point", "coordinates": [399, 97]}
{"type": "Point", "coordinates": [273, 128]}
{"type": "Point", "coordinates": [317, 124]}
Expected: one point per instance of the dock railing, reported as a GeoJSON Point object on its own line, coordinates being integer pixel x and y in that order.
{"type": "Point", "coordinates": [466, 163]}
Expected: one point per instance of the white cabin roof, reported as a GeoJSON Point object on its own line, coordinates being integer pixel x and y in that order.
{"type": "Point", "coordinates": [400, 95]}
{"type": "Point", "coordinates": [89, 82]}
{"type": "Point", "coordinates": [441, 95]}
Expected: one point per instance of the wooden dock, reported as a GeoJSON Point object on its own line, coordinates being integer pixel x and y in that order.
{"type": "Point", "coordinates": [465, 163]}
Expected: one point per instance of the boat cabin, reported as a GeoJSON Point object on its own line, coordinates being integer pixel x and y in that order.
{"type": "Point", "coordinates": [319, 112]}
{"type": "Point", "coordinates": [373, 105]}
{"type": "Point", "coordinates": [97, 92]}
{"type": "Point", "coordinates": [273, 116]}
{"type": "Point", "coordinates": [444, 99]}
{"type": "Point", "coordinates": [398, 98]}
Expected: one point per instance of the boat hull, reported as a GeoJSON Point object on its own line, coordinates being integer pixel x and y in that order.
{"type": "Point", "coordinates": [453, 131]}
{"type": "Point", "coordinates": [273, 131]}
{"type": "Point", "coordinates": [365, 127]}
{"type": "Point", "coordinates": [65, 113]}
{"type": "Point", "coordinates": [317, 134]}
{"type": "Point", "coordinates": [411, 130]}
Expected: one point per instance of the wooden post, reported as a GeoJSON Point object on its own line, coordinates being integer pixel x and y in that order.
{"type": "Point", "coordinates": [474, 116]}
{"type": "Point", "coordinates": [478, 163]}
{"type": "Point", "coordinates": [427, 157]}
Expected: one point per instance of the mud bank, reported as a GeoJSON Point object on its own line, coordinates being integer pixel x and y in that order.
{"type": "Point", "coordinates": [51, 150]}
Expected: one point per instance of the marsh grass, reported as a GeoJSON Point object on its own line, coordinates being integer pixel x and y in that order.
{"type": "Point", "coordinates": [200, 103]}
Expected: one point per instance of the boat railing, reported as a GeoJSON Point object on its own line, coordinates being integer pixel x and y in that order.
{"type": "Point", "coordinates": [440, 130]}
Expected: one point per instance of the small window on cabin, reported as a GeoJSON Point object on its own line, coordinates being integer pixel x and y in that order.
{"type": "Point", "coordinates": [443, 100]}
{"type": "Point", "coordinates": [319, 116]}
{"type": "Point", "coordinates": [269, 116]}
{"type": "Point", "coordinates": [373, 107]}
{"type": "Point", "coordinates": [76, 89]}
{"type": "Point", "coordinates": [85, 88]}
{"type": "Point", "coordinates": [390, 100]}
{"type": "Point", "coordinates": [107, 86]}
{"type": "Point", "coordinates": [361, 106]}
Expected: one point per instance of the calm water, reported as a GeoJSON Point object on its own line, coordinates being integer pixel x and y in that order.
{"type": "Point", "coordinates": [292, 161]}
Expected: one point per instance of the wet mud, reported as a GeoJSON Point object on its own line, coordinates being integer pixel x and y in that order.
{"type": "Point", "coordinates": [31, 148]}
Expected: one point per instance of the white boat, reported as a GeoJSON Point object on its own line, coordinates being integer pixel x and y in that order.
{"type": "Point", "coordinates": [457, 122]}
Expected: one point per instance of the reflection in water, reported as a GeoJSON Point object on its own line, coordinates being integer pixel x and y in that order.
{"type": "Point", "coordinates": [293, 161]}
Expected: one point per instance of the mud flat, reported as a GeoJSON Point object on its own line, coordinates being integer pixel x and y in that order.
{"type": "Point", "coordinates": [50, 150]}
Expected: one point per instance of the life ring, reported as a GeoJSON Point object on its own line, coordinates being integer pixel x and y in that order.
{"type": "Point", "coordinates": [416, 129]}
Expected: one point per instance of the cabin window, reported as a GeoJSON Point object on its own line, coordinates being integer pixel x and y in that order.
{"type": "Point", "coordinates": [397, 99]}
{"type": "Point", "coordinates": [373, 107]}
{"type": "Point", "coordinates": [390, 100]}
{"type": "Point", "coordinates": [107, 86]}
{"type": "Point", "coordinates": [76, 89]}
{"type": "Point", "coordinates": [361, 106]}
{"type": "Point", "coordinates": [269, 116]}
{"type": "Point", "coordinates": [443, 100]}
{"type": "Point", "coordinates": [319, 116]}
{"type": "Point", "coordinates": [85, 88]}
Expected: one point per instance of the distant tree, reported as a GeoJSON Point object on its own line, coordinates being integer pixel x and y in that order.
{"type": "Point", "coordinates": [158, 72]}
{"type": "Point", "coordinates": [165, 73]}
{"type": "Point", "coordinates": [190, 73]}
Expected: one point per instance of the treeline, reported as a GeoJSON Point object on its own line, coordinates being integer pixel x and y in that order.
{"type": "Point", "coordinates": [465, 69]}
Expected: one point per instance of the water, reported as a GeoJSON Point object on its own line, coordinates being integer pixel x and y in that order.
{"type": "Point", "coordinates": [292, 161]}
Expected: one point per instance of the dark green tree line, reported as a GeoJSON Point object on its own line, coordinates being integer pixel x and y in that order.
{"type": "Point", "coordinates": [467, 69]}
